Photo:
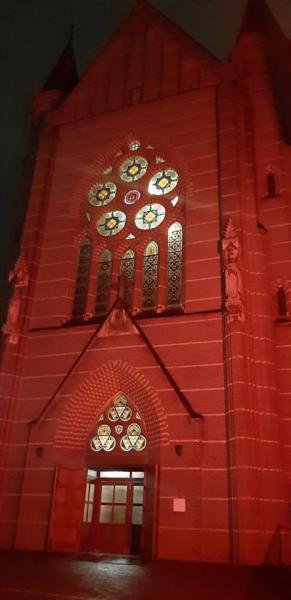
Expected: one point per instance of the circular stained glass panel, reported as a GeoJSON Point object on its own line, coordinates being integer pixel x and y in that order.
{"type": "Point", "coordinates": [111, 223]}
{"type": "Point", "coordinates": [131, 197]}
{"type": "Point", "coordinates": [134, 145]}
{"type": "Point", "coordinates": [133, 168]}
{"type": "Point", "coordinates": [101, 194]}
{"type": "Point", "coordinates": [163, 182]}
{"type": "Point", "coordinates": [150, 216]}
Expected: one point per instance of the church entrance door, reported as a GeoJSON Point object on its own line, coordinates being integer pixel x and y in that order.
{"type": "Point", "coordinates": [113, 511]}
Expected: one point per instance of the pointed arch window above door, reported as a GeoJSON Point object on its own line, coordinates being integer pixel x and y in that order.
{"type": "Point", "coordinates": [118, 427]}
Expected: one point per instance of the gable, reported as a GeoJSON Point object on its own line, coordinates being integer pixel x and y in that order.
{"type": "Point", "coordinates": [149, 58]}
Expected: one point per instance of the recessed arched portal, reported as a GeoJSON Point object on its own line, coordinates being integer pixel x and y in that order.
{"type": "Point", "coordinates": [112, 429]}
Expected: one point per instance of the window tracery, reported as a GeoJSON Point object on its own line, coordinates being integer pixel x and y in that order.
{"type": "Point", "coordinates": [103, 283]}
{"type": "Point", "coordinates": [109, 435]}
{"type": "Point", "coordinates": [175, 249]}
{"type": "Point", "coordinates": [82, 279]}
{"type": "Point", "coordinates": [111, 223]}
{"type": "Point", "coordinates": [131, 183]}
{"type": "Point", "coordinates": [127, 265]}
{"type": "Point", "coordinates": [150, 276]}
{"type": "Point", "coordinates": [163, 182]}
{"type": "Point", "coordinates": [150, 216]}
{"type": "Point", "coordinates": [102, 194]}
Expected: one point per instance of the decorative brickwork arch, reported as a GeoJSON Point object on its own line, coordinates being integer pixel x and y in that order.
{"type": "Point", "coordinates": [81, 414]}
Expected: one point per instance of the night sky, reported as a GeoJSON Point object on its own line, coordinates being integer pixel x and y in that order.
{"type": "Point", "coordinates": [35, 32]}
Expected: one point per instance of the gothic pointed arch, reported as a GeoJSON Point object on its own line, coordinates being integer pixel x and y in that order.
{"type": "Point", "coordinates": [81, 413]}
{"type": "Point", "coordinates": [131, 201]}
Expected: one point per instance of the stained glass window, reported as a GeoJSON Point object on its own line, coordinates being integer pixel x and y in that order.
{"type": "Point", "coordinates": [131, 197]}
{"type": "Point", "coordinates": [144, 191]}
{"type": "Point", "coordinates": [127, 277]}
{"type": "Point", "coordinates": [111, 223]}
{"type": "Point", "coordinates": [175, 249]}
{"type": "Point", "coordinates": [82, 279]}
{"type": "Point", "coordinates": [103, 440]}
{"type": "Point", "coordinates": [150, 276]}
{"type": "Point", "coordinates": [150, 216]}
{"type": "Point", "coordinates": [108, 435]}
{"type": "Point", "coordinates": [133, 169]}
{"type": "Point", "coordinates": [102, 194]}
{"type": "Point", "coordinates": [103, 283]}
{"type": "Point", "coordinates": [163, 182]}
{"type": "Point", "coordinates": [89, 501]}
{"type": "Point", "coordinates": [133, 440]}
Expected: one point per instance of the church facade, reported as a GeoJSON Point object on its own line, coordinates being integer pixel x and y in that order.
{"type": "Point", "coordinates": [145, 377]}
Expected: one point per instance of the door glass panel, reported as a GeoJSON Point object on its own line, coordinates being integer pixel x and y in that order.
{"type": "Point", "coordinates": [107, 493]}
{"type": "Point", "coordinates": [137, 474]}
{"type": "Point", "coordinates": [120, 493]}
{"type": "Point", "coordinates": [85, 513]}
{"type": "Point", "coordinates": [105, 513]}
{"type": "Point", "coordinates": [136, 517]}
{"type": "Point", "coordinates": [115, 474]}
{"type": "Point", "coordinates": [90, 512]}
{"type": "Point", "coordinates": [137, 494]}
{"type": "Point", "coordinates": [87, 492]}
{"type": "Point", "coordinates": [119, 513]}
{"type": "Point", "coordinates": [91, 474]}
{"type": "Point", "coordinates": [91, 494]}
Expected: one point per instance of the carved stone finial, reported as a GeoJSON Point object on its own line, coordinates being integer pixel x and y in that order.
{"type": "Point", "coordinates": [229, 230]}
{"type": "Point", "coordinates": [18, 276]}
{"type": "Point", "coordinates": [232, 274]}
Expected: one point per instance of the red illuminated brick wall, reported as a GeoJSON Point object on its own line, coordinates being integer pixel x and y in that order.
{"type": "Point", "coordinates": [220, 124]}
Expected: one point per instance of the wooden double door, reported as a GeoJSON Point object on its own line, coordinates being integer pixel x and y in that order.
{"type": "Point", "coordinates": [104, 511]}
{"type": "Point", "coordinates": [114, 514]}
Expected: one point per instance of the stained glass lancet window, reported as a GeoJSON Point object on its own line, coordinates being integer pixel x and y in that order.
{"type": "Point", "coordinates": [127, 277]}
{"type": "Point", "coordinates": [103, 283]}
{"type": "Point", "coordinates": [175, 249]}
{"type": "Point", "coordinates": [82, 279]}
{"type": "Point", "coordinates": [150, 276]}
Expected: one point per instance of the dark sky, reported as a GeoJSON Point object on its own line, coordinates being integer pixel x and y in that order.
{"type": "Point", "coordinates": [34, 33]}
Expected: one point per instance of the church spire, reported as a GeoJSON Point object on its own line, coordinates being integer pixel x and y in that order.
{"type": "Point", "coordinates": [64, 76]}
